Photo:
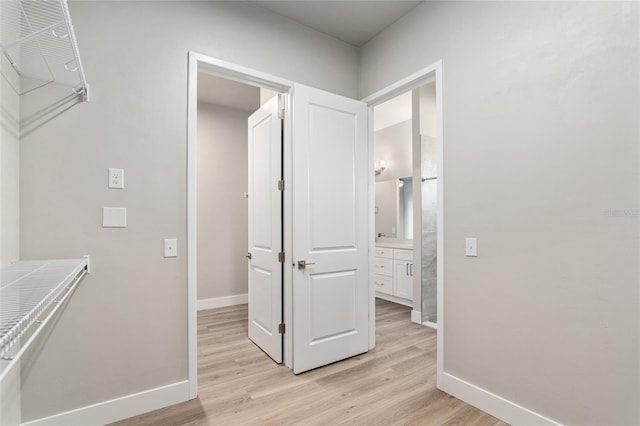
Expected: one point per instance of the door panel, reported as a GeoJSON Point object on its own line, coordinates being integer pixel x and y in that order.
{"type": "Point", "coordinates": [332, 155]}
{"type": "Point", "coordinates": [330, 228]}
{"type": "Point", "coordinates": [265, 229]}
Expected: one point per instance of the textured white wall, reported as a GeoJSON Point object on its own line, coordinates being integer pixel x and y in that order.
{"type": "Point", "coordinates": [541, 107]}
{"type": "Point", "coordinates": [9, 156]}
{"type": "Point", "coordinates": [222, 208]}
{"type": "Point", "coordinates": [125, 330]}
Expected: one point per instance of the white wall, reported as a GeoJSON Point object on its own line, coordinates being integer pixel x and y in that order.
{"type": "Point", "coordinates": [125, 329]}
{"type": "Point", "coordinates": [9, 225]}
{"type": "Point", "coordinates": [222, 208]}
{"type": "Point", "coordinates": [9, 155]}
{"type": "Point", "coordinates": [541, 107]}
{"type": "Point", "coordinates": [392, 112]}
{"type": "Point", "coordinates": [393, 144]}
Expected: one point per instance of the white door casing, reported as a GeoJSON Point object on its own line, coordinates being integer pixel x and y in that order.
{"type": "Point", "coordinates": [265, 228]}
{"type": "Point", "coordinates": [330, 228]}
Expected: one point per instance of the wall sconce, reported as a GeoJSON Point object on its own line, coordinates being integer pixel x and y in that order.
{"type": "Point", "coordinates": [379, 168]}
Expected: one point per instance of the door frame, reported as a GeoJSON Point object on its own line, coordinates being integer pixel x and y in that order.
{"type": "Point", "coordinates": [413, 81]}
{"type": "Point", "coordinates": [198, 62]}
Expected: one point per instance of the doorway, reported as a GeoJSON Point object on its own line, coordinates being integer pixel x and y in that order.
{"type": "Point", "coordinates": [240, 153]}
{"type": "Point", "coordinates": [328, 177]}
{"type": "Point", "coordinates": [245, 77]}
{"type": "Point", "coordinates": [419, 175]}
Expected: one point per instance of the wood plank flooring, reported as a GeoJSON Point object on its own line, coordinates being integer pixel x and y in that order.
{"type": "Point", "coordinates": [394, 384]}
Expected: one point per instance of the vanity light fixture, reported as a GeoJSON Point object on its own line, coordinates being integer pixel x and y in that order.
{"type": "Point", "coordinates": [379, 168]}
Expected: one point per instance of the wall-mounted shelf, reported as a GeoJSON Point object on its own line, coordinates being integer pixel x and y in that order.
{"type": "Point", "coordinates": [39, 46]}
{"type": "Point", "coordinates": [31, 292]}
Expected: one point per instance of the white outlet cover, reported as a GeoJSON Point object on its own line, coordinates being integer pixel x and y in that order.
{"type": "Point", "coordinates": [471, 247]}
{"type": "Point", "coordinates": [170, 247]}
{"type": "Point", "coordinates": [116, 178]}
{"type": "Point", "coordinates": [114, 217]}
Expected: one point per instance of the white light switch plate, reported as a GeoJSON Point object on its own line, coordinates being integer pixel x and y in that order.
{"type": "Point", "coordinates": [471, 247]}
{"type": "Point", "coordinates": [116, 178]}
{"type": "Point", "coordinates": [114, 217]}
{"type": "Point", "coordinates": [170, 247]}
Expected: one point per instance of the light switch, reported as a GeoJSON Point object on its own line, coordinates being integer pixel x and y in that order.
{"type": "Point", "coordinates": [471, 247]}
{"type": "Point", "coordinates": [114, 217]}
{"type": "Point", "coordinates": [116, 178]}
{"type": "Point", "coordinates": [170, 247]}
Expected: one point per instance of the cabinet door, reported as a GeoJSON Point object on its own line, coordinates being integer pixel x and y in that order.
{"type": "Point", "coordinates": [403, 279]}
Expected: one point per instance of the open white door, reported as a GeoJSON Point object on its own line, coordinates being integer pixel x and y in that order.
{"type": "Point", "coordinates": [265, 229]}
{"type": "Point", "coordinates": [330, 228]}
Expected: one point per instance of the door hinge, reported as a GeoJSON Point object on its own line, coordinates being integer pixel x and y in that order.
{"type": "Point", "coordinates": [248, 255]}
{"type": "Point", "coordinates": [281, 257]}
{"type": "Point", "coordinates": [281, 328]}
{"type": "Point", "coordinates": [281, 185]}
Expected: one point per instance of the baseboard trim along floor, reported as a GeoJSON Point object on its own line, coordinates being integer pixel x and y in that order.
{"type": "Point", "coordinates": [222, 302]}
{"type": "Point", "coordinates": [493, 404]}
{"type": "Point", "coordinates": [119, 408]}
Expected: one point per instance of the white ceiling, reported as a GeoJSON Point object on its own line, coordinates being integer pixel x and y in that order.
{"type": "Point", "coordinates": [220, 91]}
{"type": "Point", "coordinates": [354, 22]}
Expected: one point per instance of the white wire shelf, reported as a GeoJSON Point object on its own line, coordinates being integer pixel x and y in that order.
{"type": "Point", "coordinates": [30, 294]}
{"type": "Point", "coordinates": [39, 46]}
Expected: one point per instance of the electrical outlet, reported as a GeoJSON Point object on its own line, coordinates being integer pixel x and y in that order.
{"type": "Point", "coordinates": [116, 178]}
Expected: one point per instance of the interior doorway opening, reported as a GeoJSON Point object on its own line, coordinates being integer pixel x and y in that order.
{"type": "Point", "coordinates": [407, 143]}
{"type": "Point", "coordinates": [329, 262]}
{"type": "Point", "coordinates": [239, 210]}
{"type": "Point", "coordinates": [406, 173]}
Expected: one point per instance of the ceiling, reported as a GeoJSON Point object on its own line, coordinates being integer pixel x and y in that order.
{"type": "Point", "coordinates": [354, 22]}
{"type": "Point", "coordinates": [220, 91]}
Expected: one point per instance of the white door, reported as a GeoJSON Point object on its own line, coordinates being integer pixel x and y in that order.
{"type": "Point", "coordinates": [330, 228]}
{"type": "Point", "coordinates": [265, 229]}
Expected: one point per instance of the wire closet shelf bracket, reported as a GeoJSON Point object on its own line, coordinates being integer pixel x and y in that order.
{"type": "Point", "coordinates": [39, 46]}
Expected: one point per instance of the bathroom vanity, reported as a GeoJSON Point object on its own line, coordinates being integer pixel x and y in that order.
{"type": "Point", "coordinates": [394, 272]}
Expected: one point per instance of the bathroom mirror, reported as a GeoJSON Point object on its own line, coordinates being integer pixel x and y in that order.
{"type": "Point", "coordinates": [394, 208]}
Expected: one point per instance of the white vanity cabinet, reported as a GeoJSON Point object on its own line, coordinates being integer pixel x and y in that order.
{"type": "Point", "coordinates": [403, 273]}
{"type": "Point", "coordinates": [394, 275]}
{"type": "Point", "coordinates": [384, 270]}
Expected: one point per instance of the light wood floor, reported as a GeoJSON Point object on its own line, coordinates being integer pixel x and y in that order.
{"type": "Point", "coordinates": [394, 384]}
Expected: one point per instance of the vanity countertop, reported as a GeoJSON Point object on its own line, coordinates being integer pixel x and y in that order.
{"type": "Point", "coordinates": [408, 246]}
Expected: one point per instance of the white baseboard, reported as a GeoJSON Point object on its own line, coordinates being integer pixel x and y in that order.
{"type": "Point", "coordinates": [223, 302]}
{"type": "Point", "coordinates": [431, 324]}
{"type": "Point", "coordinates": [119, 408]}
{"type": "Point", "coordinates": [416, 316]}
{"type": "Point", "coordinates": [493, 404]}
{"type": "Point", "coordinates": [394, 299]}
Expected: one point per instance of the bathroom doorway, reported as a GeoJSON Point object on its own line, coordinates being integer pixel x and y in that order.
{"type": "Point", "coordinates": [409, 202]}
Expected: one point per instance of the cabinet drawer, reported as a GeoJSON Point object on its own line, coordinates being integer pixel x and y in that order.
{"type": "Point", "coordinates": [384, 252]}
{"type": "Point", "coordinates": [384, 267]}
{"type": "Point", "coordinates": [403, 255]}
{"type": "Point", "coordinates": [384, 284]}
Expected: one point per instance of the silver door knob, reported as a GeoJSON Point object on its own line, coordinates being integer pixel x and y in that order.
{"type": "Point", "coordinates": [302, 264]}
